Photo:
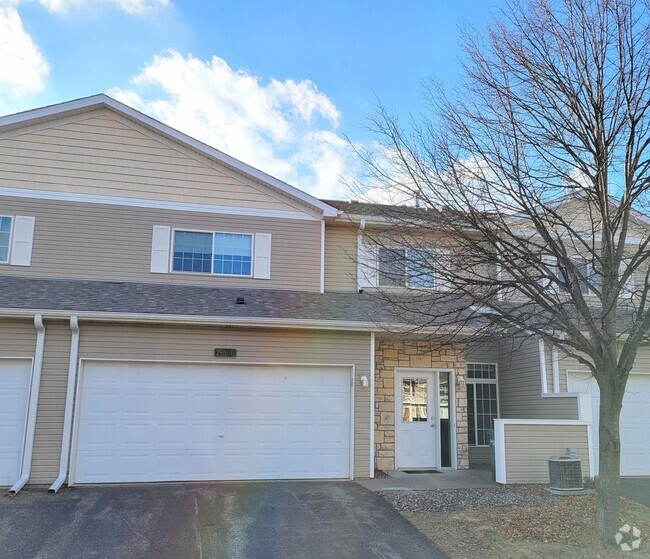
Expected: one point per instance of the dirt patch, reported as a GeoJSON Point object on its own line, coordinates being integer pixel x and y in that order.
{"type": "Point", "coordinates": [557, 527]}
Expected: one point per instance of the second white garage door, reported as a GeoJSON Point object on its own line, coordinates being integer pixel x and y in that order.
{"type": "Point", "coordinates": [635, 419]}
{"type": "Point", "coordinates": [140, 422]}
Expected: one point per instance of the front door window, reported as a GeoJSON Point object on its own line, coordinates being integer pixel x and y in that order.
{"type": "Point", "coordinates": [414, 400]}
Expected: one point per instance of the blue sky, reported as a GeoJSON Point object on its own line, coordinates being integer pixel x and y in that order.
{"type": "Point", "coordinates": [274, 83]}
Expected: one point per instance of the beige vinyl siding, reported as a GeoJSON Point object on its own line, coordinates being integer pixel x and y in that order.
{"type": "Point", "coordinates": [105, 242]}
{"type": "Point", "coordinates": [51, 403]}
{"type": "Point", "coordinates": [17, 338]}
{"type": "Point", "coordinates": [125, 341]}
{"type": "Point", "coordinates": [479, 455]}
{"type": "Point", "coordinates": [106, 154]}
{"type": "Point", "coordinates": [567, 364]}
{"type": "Point", "coordinates": [528, 448]}
{"type": "Point", "coordinates": [340, 258]}
{"type": "Point", "coordinates": [520, 390]}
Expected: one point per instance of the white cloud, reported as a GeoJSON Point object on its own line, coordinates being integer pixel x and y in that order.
{"type": "Point", "coordinates": [285, 128]}
{"type": "Point", "coordinates": [133, 7]}
{"type": "Point", "coordinates": [23, 68]}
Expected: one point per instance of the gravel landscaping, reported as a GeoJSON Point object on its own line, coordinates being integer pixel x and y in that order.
{"type": "Point", "coordinates": [451, 500]}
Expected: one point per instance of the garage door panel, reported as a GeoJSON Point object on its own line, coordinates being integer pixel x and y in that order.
{"type": "Point", "coordinates": [168, 422]}
{"type": "Point", "coordinates": [15, 376]}
{"type": "Point", "coordinates": [635, 419]}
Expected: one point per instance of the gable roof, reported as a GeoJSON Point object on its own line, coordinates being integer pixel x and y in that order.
{"type": "Point", "coordinates": [103, 101]}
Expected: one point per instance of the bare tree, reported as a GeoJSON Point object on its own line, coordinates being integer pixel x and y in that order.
{"type": "Point", "coordinates": [535, 175]}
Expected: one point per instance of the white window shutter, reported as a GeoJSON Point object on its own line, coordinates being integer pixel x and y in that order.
{"type": "Point", "coordinates": [367, 265]}
{"type": "Point", "coordinates": [160, 244]}
{"type": "Point", "coordinates": [262, 264]}
{"type": "Point", "coordinates": [628, 287]}
{"type": "Point", "coordinates": [22, 241]}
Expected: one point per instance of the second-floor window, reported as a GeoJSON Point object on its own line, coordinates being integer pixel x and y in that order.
{"type": "Point", "coordinates": [5, 238]}
{"type": "Point", "coordinates": [399, 267]}
{"type": "Point", "coordinates": [218, 253]}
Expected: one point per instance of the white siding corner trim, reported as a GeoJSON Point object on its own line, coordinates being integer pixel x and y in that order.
{"type": "Point", "coordinates": [372, 405]}
{"type": "Point", "coordinates": [22, 241]}
{"type": "Point", "coordinates": [262, 252]}
{"type": "Point", "coordinates": [322, 256]}
{"type": "Point", "coordinates": [160, 248]}
{"type": "Point", "coordinates": [500, 451]}
{"type": "Point", "coordinates": [555, 363]}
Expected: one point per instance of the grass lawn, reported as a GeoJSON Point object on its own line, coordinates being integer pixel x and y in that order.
{"type": "Point", "coordinates": [561, 529]}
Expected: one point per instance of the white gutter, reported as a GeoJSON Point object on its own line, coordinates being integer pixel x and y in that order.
{"type": "Point", "coordinates": [252, 322]}
{"type": "Point", "coordinates": [69, 404]}
{"type": "Point", "coordinates": [322, 256]}
{"type": "Point", "coordinates": [542, 366]}
{"type": "Point", "coordinates": [34, 389]}
{"type": "Point", "coordinates": [372, 405]}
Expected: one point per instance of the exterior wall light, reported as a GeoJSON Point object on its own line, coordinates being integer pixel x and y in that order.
{"type": "Point", "coordinates": [364, 381]}
{"type": "Point", "coordinates": [460, 380]}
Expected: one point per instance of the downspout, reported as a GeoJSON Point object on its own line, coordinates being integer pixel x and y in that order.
{"type": "Point", "coordinates": [555, 364]}
{"type": "Point", "coordinates": [69, 404]}
{"type": "Point", "coordinates": [322, 256]}
{"type": "Point", "coordinates": [542, 366]}
{"type": "Point", "coordinates": [34, 389]}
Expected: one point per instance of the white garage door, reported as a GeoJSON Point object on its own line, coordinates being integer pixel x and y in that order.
{"type": "Point", "coordinates": [184, 422]}
{"type": "Point", "coordinates": [14, 395]}
{"type": "Point", "coordinates": [635, 419]}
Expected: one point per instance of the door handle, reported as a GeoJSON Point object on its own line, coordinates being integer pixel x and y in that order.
{"type": "Point", "coordinates": [433, 422]}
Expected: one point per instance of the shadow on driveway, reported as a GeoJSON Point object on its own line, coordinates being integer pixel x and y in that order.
{"type": "Point", "coordinates": [637, 489]}
{"type": "Point", "coordinates": [310, 520]}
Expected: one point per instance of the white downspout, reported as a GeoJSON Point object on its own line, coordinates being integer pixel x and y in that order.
{"type": "Point", "coordinates": [69, 404]}
{"type": "Point", "coordinates": [34, 389]}
{"type": "Point", "coordinates": [542, 366]}
{"type": "Point", "coordinates": [322, 256]}
{"type": "Point", "coordinates": [555, 363]}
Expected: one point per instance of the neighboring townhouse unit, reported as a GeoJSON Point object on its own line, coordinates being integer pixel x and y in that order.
{"type": "Point", "coordinates": [168, 313]}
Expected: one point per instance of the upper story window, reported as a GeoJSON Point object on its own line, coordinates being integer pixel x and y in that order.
{"type": "Point", "coordinates": [213, 253]}
{"type": "Point", "coordinates": [399, 267]}
{"type": "Point", "coordinates": [5, 238]}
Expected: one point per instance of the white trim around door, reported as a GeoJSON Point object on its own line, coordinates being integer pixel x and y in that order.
{"type": "Point", "coordinates": [419, 432]}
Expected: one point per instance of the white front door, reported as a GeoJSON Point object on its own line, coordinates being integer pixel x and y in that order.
{"type": "Point", "coordinates": [635, 418]}
{"type": "Point", "coordinates": [139, 422]}
{"type": "Point", "coordinates": [15, 376]}
{"type": "Point", "coordinates": [416, 440]}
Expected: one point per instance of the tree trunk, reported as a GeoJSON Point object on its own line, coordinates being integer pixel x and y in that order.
{"type": "Point", "coordinates": [609, 481]}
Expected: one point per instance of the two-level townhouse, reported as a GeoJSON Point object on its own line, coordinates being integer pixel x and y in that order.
{"type": "Point", "coordinates": [169, 313]}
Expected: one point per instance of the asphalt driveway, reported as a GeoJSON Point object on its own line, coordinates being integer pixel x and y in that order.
{"type": "Point", "coordinates": [310, 520]}
{"type": "Point", "coordinates": [637, 489]}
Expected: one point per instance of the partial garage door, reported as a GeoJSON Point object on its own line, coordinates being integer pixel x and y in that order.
{"type": "Point", "coordinates": [635, 419]}
{"type": "Point", "coordinates": [182, 422]}
{"type": "Point", "coordinates": [14, 395]}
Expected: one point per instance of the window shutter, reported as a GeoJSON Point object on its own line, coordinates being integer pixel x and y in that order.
{"type": "Point", "coordinates": [262, 265]}
{"type": "Point", "coordinates": [22, 241]}
{"type": "Point", "coordinates": [160, 243]}
{"type": "Point", "coordinates": [367, 265]}
{"type": "Point", "coordinates": [627, 289]}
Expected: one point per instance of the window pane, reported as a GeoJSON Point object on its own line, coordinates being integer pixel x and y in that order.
{"type": "Point", "coordinates": [392, 268]}
{"type": "Point", "coordinates": [482, 370]}
{"type": "Point", "coordinates": [192, 252]}
{"type": "Point", "coordinates": [5, 233]}
{"type": "Point", "coordinates": [421, 267]}
{"type": "Point", "coordinates": [471, 423]}
{"type": "Point", "coordinates": [232, 254]}
{"type": "Point", "coordinates": [482, 410]}
{"type": "Point", "coordinates": [414, 400]}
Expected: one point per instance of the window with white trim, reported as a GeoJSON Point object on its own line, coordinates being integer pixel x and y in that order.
{"type": "Point", "coordinates": [218, 253]}
{"type": "Point", "coordinates": [482, 402]}
{"type": "Point", "coordinates": [6, 223]}
{"type": "Point", "coordinates": [414, 268]}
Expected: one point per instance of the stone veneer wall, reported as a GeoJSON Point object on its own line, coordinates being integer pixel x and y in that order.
{"type": "Point", "coordinates": [390, 354]}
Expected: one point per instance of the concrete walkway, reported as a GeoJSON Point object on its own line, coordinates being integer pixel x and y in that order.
{"type": "Point", "coordinates": [447, 479]}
